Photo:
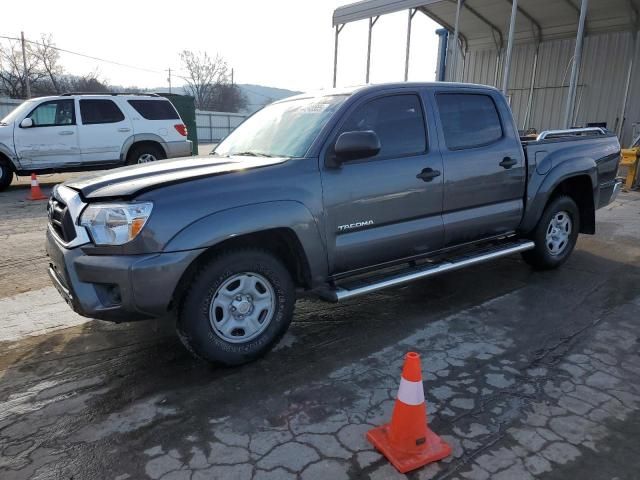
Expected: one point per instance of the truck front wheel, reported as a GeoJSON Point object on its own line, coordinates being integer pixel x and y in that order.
{"type": "Point", "coordinates": [555, 235]}
{"type": "Point", "coordinates": [237, 308]}
{"type": "Point", "coordinates": [6, 174]}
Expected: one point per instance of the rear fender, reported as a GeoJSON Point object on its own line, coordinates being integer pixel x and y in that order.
{"type": "Point", "coordinates": [142, 137]}
{"type": "Point", "coordinates": [542, 187]}
{"type": "Point", "coordinates": [227, 224]}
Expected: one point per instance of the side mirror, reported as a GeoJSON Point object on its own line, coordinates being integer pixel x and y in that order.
{"type": "Point", "coordinates": [26, 123]}
{"type": "Point", "coordinates": [355, 145]}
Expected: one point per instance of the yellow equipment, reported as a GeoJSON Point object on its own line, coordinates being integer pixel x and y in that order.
{"type": "Point", "coordinates": [631, 159]}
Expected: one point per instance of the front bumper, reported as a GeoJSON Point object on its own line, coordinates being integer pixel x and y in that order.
{"type": "Point", "coordinates": [118, 288]}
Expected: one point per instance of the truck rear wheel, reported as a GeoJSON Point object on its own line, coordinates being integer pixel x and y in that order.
{"type": "Point", "coordinates": [145, 153]}
{"type": "Point", "coordinates": [237, 308]}
{"type": "Point", "coordinates": [555, 235]}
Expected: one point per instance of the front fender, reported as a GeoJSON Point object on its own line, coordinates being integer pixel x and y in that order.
{"type": "Point", "coordinates": [11, 155]}
{"type": "Point", "coordinates": [253, 218]}
{"type": "Point", "coordinates": [541, 187]}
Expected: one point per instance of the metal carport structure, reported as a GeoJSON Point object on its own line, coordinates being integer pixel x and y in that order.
{"type": "Point", "coordinates": [560, 62]}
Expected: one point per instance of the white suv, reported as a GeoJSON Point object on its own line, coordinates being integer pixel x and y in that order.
{"type": "Point", "coordinates": [75, 132]}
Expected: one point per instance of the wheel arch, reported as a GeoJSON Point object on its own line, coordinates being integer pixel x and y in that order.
{"type": "Point", "coordinates": [141, 139]}
{"type": "Point", "coordinates": [577, 179]}
{"type": "Point", "coordinates": [297, 244]}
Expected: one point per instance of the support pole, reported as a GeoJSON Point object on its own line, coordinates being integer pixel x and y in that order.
{"type": "Point", "coordinates": [441, 66]}
{"type": "Point", "coordinates": [372, 22]}
{"type": "Point", "coordinates": [454, 44]}
{"type": "Point", "coordinates": [625, 98]}
{"type": "Point", "coordinates": [496, 73]}
{"type": "Point", "coordinates": [575, 68]}
{"type": "Point", "coordinates": [534, 71]}
{"type": "Point", "coordinates": [412, 12]}
{"type": "Point", "coordinates": [335, 55]}
{"type": "Point", "coordinates": [24, 66]}
{"type": "Point", "coordinates": [507, 60]}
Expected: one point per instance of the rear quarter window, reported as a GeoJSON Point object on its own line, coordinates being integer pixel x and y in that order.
{"type": "Point", "coordinates": [468, 120]}
{"type": "Point", "coordinates": [155, 109]}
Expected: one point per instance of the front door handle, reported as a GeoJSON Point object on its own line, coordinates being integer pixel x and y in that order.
{"type": "Point", "coordinates": [428, 174]}
{"type": "Point", "coordinates": [66, 132]}
{"type": "Point", "coordinates": [508, 162]}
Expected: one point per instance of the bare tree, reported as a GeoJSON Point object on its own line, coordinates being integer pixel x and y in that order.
{"type": "Point", "coordinates": [13, 76]}
{"type": "Point", "coordinates": [89, 83]}
{"type": "Point", "coordinates": [204, 73]}
{"type": "Point", "coordinates": [49, 61]}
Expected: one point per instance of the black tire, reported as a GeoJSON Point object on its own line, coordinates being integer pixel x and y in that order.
{"type": "Point", "coordinates": [6, 175]}
{"type": "Point", "coordinates": [196, 330]}
{"type": "Point", "coordinates": [541, 257]}
{"type": "Point", "coordinates": [138, 151]}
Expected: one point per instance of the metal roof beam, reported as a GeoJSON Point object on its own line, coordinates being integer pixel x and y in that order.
{"type": "Point", "coordinates": [533, 21]}
{"type": "Point", "coordinates": [463, 40]}
{"type": "Point", "coordinates": [484, 20]}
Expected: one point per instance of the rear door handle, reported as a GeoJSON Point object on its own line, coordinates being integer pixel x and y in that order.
{"type": "Point", "coordinates": [66, 132]}
{"type": "Point", "coordinates": [123, 130]}
{"type": "Point", "coordinates": [428, 174]}
{"type": "Point", "coordinates": [508, 162]}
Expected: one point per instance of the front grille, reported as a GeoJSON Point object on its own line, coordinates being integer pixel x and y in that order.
{"type": "Point", "coordinates": [60, 220]}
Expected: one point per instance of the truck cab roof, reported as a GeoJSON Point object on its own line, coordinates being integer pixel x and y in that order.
{"type": "Point", "coordinates": [350, 90]}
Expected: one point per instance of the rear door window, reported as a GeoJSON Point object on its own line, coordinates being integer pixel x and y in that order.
{"type": "Point", "coordinates": [100, 111]}
{"type": "Point", "coordinates": [155, 109]}
{"type": "Point", "coordinates": [468, 120]}
{"type": "Point", "coordinates": [397, 120]}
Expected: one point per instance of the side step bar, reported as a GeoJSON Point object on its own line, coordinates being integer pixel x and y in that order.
{"type": "Point", "coordinates": [362, 287]}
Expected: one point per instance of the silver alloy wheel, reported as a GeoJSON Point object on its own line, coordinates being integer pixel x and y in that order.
{"type": "Point", "coordinates": [1, 171]}
{"type": "Point", "coordinates": [242, 307]}
{"type": "Point", "coordinates": [146, 158]}
{"type": "Point", "coordinates": [559, 233]}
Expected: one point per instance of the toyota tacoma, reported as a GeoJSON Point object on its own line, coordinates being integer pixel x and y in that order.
{"type": "Point", "coordinates": [336, 194]}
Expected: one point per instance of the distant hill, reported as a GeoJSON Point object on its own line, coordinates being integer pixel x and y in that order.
{"type": "Point", "coordinates": [257, 95]}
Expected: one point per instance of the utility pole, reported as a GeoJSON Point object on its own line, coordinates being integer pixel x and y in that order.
{"type": "Point", "coordinates": [24, 66]}
{"type": "Point", "coordinates": [169, 79]}
{"type": "Point", "coordinates": [231, 75]}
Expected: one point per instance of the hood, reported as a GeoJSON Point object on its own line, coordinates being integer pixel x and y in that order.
{"type": "Point", "coordinates": [6, 130]}
{"type": "Point", "coordinates": [129, 181]}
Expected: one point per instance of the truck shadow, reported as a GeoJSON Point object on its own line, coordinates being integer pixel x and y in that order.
{"type": "Point", "coordinates": [98, 369]}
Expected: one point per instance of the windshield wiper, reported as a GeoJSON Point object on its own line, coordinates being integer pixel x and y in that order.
{"type": "Point", "coordinates": [252, 154]}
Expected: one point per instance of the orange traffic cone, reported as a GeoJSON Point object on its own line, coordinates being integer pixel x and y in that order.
{"type": "Point", "coordinates": [36, 193]}
{"type": "Point", "coordinates": [407, 441]}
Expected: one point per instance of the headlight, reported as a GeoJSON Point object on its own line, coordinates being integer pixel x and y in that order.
{"type": "Point", "coordinates": [115, 223]}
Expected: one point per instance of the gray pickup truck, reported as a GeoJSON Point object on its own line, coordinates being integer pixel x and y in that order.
{"type": "Point", "coordinates": [339, 194]}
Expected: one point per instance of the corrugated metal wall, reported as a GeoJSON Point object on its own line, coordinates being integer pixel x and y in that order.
{"type": "Point", "coordinates": [605, 62]}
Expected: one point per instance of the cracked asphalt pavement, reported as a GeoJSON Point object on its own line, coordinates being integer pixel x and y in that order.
{"type": "Point", "coordinates": [527, 375]}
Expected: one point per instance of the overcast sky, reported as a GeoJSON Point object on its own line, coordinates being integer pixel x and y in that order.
{"type": "Point", "coordinates": [278, 43]}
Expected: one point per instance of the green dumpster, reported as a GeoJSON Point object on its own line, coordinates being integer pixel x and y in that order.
{"type": "Point", "coordinates": [187, 109]}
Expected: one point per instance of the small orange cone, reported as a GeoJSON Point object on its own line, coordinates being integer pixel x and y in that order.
{"type": "Point", "coordinates": [407, 441]}
{"type": "Point", "coordinates": [36, 193]}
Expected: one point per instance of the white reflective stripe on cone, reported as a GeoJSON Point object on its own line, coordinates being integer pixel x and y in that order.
{"type": "Point", "coordinates": [411, 393]}
{"type": "Point", "coordinates": [34, 183]}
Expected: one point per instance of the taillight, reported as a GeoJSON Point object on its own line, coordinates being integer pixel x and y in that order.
{"type": "Point", "coordinates": [182, 129]}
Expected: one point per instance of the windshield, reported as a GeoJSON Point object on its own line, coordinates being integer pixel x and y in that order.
{"type": "Point", "coordinates": [16, 112]}
{"type": "Point", "coordinates": [284, 129]}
